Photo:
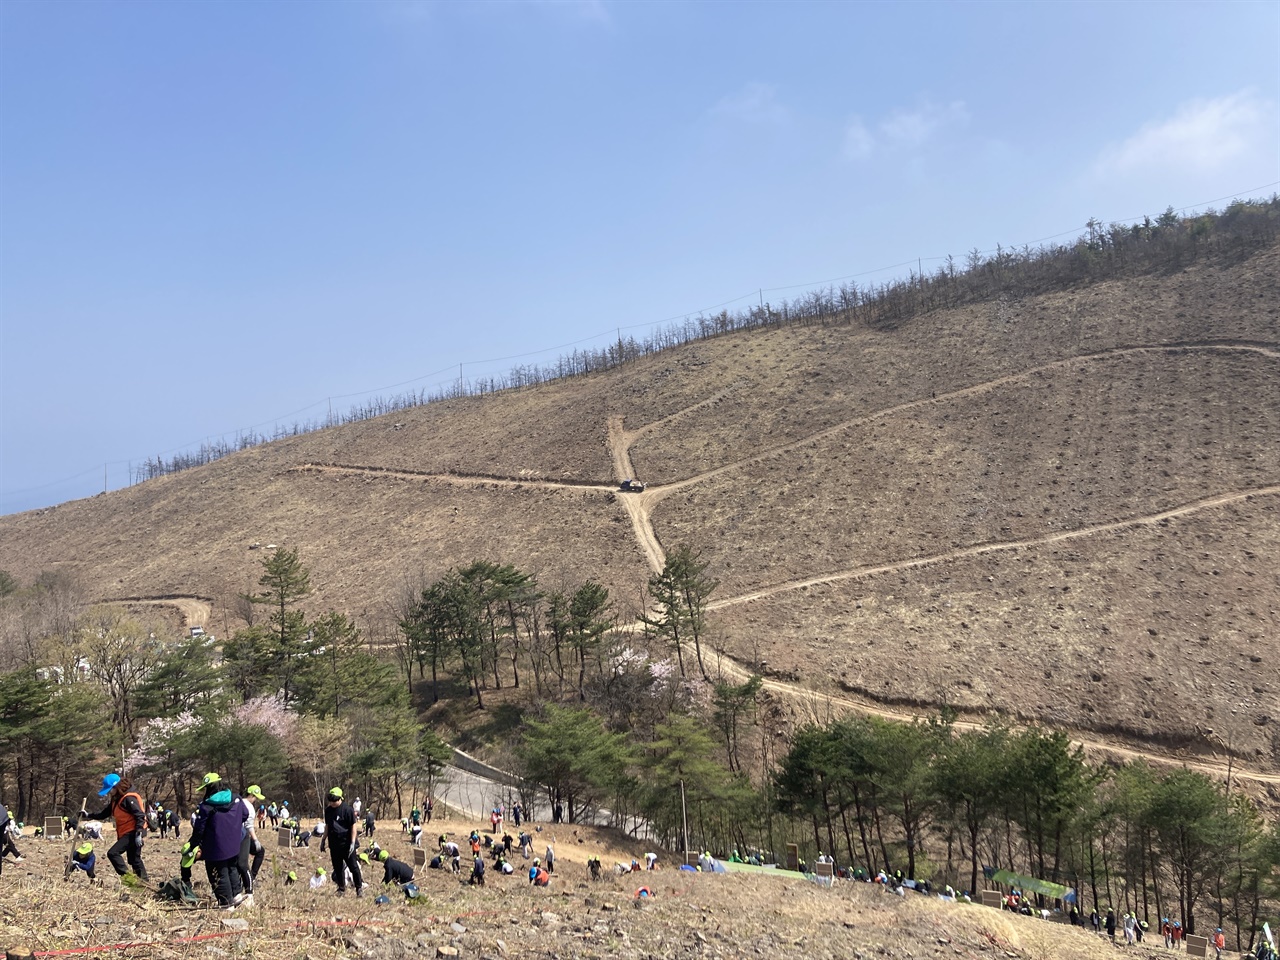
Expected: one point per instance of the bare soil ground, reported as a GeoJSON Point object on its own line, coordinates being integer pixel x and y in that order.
{"type": "Point", "coordinates": [689, 915]}
{"type": "Point", "coordinates": [1061, 508]}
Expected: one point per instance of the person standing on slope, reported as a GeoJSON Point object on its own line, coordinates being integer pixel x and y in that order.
{"type": "Point", "coordinates": [343, 832]}
{"type": "Point", "coordinates": [251, 848]}
{"type": "Point", "coordinates": [7, 829]}
{"type": "Point", "coordinates": [218, 830]}
{"type": "Point", "coordinates": [125, 808]}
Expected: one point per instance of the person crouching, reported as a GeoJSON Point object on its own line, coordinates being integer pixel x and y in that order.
{"type": "Point", "coordinates": [82, 858]}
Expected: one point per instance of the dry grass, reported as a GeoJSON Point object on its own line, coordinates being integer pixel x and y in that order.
{"type": "Point", "coordinates": [690, 915]}
{"type": "Point", "coordinates": [1026, 419]}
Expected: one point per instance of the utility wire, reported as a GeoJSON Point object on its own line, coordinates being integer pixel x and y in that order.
{"type": "Point", "coordinates": [612, 332]}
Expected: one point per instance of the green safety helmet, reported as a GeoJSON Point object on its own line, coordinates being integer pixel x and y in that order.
{"type": "Point", "coordinates": [84, 849]}
{"type": "Point", "coordinates": [362, 857]}
{"type": "Point", "coordinates": [189, 854]}
{"type": "Point", "coordinates": [383, 854]}
{"type": "Point", "coordinates": [255, 791]}
{"type": "Point", "coordinates": [209, 780]}
{"type": "Point", "coordinates": [292, 875]}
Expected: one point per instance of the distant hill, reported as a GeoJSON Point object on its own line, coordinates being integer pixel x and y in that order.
{"type": "Point", "coordinates": [1062, 505]}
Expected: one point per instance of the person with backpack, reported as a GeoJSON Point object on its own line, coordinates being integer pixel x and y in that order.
{"type": "Point", "coordinates": [124, 806]}
{"type": "Point", "coordinates": [218, 830]}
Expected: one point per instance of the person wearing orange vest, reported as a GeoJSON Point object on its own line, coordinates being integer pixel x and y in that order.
{"type": "Point", "coordinates": [1219, 943]}
{"type": "Point", "coordinates": [125, 807]}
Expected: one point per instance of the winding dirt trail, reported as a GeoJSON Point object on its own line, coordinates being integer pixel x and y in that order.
{"type": "Point", "coordinates": [654, 425]}
{"type": "Point", "coordinates": [855, 573]}
{"type": "Point", "coordinates": [195, 611]}
{"type": "Point", "coordinates": [460, 479]}
{"type": "Point", "coordinates": [1091, 744]}
{"type": "Point", "coordinates": [634, 503]}
{"type": "Point", "coordinates": [639, 507]}
{"type": "Point", "coordinates": [977, 389]}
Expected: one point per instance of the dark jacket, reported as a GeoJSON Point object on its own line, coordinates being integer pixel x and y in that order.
{"type": "Point", "coordinates": [126, 810]}
{"type": "Point", "coordinates": [396, 871]}
{"type": "Point", "coordinates": [219, 826]}
{"type": "Point", "coordinates": [340, 822]}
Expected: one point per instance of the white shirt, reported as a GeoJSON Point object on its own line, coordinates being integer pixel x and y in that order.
{"type": "Point", "coordinates": [246, 828]}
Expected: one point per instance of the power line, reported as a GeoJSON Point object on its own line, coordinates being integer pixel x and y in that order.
{"type": "Point", "coordinates": [609, 333]}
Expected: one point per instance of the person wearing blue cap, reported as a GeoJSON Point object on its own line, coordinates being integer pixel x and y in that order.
{"type": "Point", "coordinates": [125, 808]}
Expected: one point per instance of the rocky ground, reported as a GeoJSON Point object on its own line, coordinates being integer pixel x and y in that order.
{"type": "Point", "coordinates": [689, 915]}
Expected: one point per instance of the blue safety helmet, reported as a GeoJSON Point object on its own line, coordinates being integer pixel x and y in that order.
{"type": "Point", "coordinates": [108, 783]}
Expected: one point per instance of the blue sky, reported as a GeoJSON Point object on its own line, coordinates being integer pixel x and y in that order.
{"type": "Point", "coordinates": [214, 216]}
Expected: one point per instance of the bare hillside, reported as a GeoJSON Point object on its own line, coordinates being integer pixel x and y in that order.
{"type": "Point", "coordinates": [1063, 508]}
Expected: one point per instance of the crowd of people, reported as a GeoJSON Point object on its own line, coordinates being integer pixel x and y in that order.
{"type": "Point", "coordinates": [224, 835]}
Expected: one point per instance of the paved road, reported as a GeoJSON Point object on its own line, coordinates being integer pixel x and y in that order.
{"type": "Point", "coordinates": [475, 796]}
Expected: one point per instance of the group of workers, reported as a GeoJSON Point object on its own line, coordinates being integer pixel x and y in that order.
{"type": "Point", "coordinates": [224, 836]}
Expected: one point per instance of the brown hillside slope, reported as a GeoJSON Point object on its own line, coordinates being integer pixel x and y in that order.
{"type": "Point", "coordinates": [689, 915]}
{"type": "Point", "coordinates": [1061, 508]}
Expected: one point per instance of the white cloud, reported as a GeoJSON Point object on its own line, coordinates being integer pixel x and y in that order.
{"type": "Point", "coordinates": [858, 141]}
{"type": "Point", "coordinates": [913, 127]}
{"type": "Point", "coordinates": [902, 129]}
{"type": "Point", "coordinates": [1203, 135]}
{"type": "Point", "coordinates": [754, 103]}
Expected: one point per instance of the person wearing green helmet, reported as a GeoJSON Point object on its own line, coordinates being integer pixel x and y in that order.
{"type": "Point", "coordinates": [393, 870]}
{"type": "Point", "coordinates": [343, 832]}
{"type": "Point", "coordinates": [82, 858]}
{"type": "Point", "coordinates": [217, 831]}
{"type": "Point", "coordinates": [7, 830]}
{"type": "Point", "coordinates": [187, 857]}
{"type": "Point", "coordinates": [250, 847]}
